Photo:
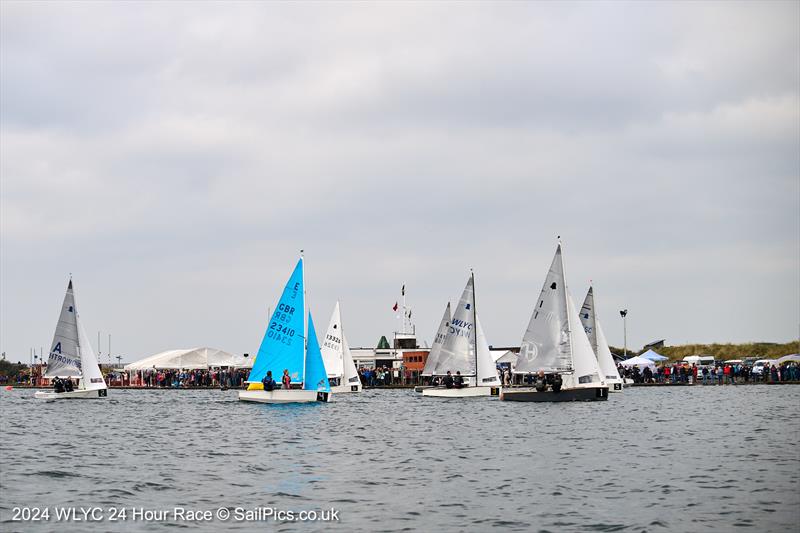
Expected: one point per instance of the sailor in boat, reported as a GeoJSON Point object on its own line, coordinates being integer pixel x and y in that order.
{"type": "Point", "coordinates": [541, 381]}
{"type": "Point", "coordinates": [58, 385]}
{"type": "Point", "coordinates": [268, 382]}
{"type": "Point", "coordinates": [529, 379]}
{"type": "Point", "coordinates": [556, 382]}
{"type": "Point", "coordinates": [68, 385]}
{"type": "Point", "coordinates": [458, 381]}
{"type": "Point", "coordinates": [448, 380]}
{"type": "Point", "coordinates": [286, 379]}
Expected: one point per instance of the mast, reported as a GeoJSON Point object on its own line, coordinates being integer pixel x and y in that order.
{"type": "Point", "coordinates": [566, 303]}
{"type": "Point", "coordinates": [474, 325]}
{"type": "Point", "coordinates": [305, 317]}
{"type": "Point", "coordinates": [82, 383]}
{"type": "Point", "coordinates": [341, 340]}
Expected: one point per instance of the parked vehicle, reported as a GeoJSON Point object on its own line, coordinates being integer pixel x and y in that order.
{"type": "Point", "coordinates": [758, 366]}
{"type": "Point", "coordinates": [701, 361]}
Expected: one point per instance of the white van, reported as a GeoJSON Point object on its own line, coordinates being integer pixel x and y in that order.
{"type": "Point", "coordinates": [701, 361]}
{"type": "Point", "coordinates": [758, 366]}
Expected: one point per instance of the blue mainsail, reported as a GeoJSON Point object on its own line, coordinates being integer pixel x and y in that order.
{"type": "Point", "coordinates": [316, 376]}
{"type": "Point", "coordinates": [282, 347]}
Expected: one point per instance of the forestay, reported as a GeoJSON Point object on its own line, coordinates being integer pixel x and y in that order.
{"type": "Point", "coordinates": [458, 349]}
{"type": "Point", "coordinates": [283, 343]}
{"type": "Point", "coordinates": [436, 348]}
{"type": "Point", "coordinates": [64, 359]}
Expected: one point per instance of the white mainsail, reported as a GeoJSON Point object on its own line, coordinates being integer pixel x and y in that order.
{"type": "Point", "coordinates": [436, 348]}
{"type": "Point", "coordinates": [547, 343]}
{"type": "Point", "coordinates": [332, 349]}
{"type": "Point", "coordinates": [457, 353]}
{"type": "Point", "coordinates": [65, 353]}
{"type": "Point", "coordinates": [593, 329]}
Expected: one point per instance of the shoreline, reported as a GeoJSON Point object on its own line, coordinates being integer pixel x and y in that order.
{"type": "Point", "coordinates": [394, 387]}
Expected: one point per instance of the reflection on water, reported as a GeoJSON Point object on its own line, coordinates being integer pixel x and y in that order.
{"type": "Point", "coordinates": [688, 459]}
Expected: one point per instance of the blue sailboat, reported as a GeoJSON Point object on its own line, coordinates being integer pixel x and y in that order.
{"type": "Point", "coordinates": [290, 345]}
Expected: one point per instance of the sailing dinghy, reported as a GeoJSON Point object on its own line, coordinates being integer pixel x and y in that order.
{"type": "Point", "coordinates": [556, 344]}
{"type": "Point", "coordinates": [436, 349]}
{"type": "Point", "coordinates": [465, 350]}
{"type": "Point", "coordinates": [71, 356]}
{"type": "Point", "coordinates": [290, 343]}
{"type": "Point", "coordinates": [591, 325]}
{"type": "Point", "coordinates": [337, 357]}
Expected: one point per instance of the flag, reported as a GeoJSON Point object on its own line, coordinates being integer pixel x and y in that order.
{"type": "Point", "coordinates": [403, 290]}
{"type": "Point", "coordinates": [395, 307]}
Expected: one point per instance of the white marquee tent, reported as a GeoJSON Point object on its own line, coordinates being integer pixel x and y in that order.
{"type": "Point", "coordinates": [195, 358]}
{"type": "Point", "coordinates": [641, 362]}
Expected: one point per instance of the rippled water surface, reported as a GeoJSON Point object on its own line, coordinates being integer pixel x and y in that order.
{"type": "Point", "coordinates": [650, 459]}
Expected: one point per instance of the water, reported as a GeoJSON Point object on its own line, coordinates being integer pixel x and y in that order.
{"type": "Point", "coordinates": [650, 459]}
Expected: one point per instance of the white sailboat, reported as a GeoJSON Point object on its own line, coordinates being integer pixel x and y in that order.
{"type": "Point", "coordinates": [436, 348]}
{"type": "Point", "coordinates": [71, 356]}
{"type": "Point", "coordinates": [555, 344]}
{"type": "Point", "coordinates": [465, 350]}
{"type": "Point", "coordinates": [337, 357]}
{"type": "Point", "coordinates": [290, 343]}
{"type": "Point", "coordinates": [593, 329]}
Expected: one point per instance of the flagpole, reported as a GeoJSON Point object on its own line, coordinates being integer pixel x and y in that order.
{"type": "Point", "coordinates": [405, 309]}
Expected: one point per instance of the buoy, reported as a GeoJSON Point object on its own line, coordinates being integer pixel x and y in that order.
{"type": "Point", "coordinates": [9, 387]}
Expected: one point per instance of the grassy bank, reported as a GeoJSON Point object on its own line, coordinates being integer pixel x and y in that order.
{"type": "Point", "coordinates": [760, 350]}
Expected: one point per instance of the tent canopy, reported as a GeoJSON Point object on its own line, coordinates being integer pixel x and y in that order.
{"type": "Point", "coordinates": [503, 356]}
{"type": "Point", "coordinates": [641, 362]}
{"type": "Point", "coordinates": [653, 356]}
{"type": "Point", "coordinates": [788, 358]}
{"type": "Point", "coordinates": [192, 359]}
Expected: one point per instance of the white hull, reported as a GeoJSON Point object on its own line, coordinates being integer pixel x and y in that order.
{"type": "Point", "coordinates": [80, 394]}
{"type": "Point", "coordinates": [466, 392]}
{"type": "Point", "coordinates": [284, 396]}
{"type": "Point", "coordinates": [345, 388]}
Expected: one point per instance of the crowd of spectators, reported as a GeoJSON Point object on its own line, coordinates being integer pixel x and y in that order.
{"type": "Point", "coordinates": [717, 374]}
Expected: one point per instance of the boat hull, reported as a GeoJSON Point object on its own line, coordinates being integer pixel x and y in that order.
{"type": "Point", "coordinates": [284, 396]}
{"type": "Point", "coordinates": [80, 394]}
{"type": "Point", "coordinates": [346, 388]}
{"type": "Point", "coordinates": [526, 394]}
{"type": "Point", "coordinates": [465, 392]}
{"type": "Point", "coordinates": [420, 388]}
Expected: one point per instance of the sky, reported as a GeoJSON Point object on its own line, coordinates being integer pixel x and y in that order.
{"type": "Point", "coordinates": [175, 157]}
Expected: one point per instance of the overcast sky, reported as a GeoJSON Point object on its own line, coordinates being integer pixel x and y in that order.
{"type": "Point", "coordinates": [176, 157]}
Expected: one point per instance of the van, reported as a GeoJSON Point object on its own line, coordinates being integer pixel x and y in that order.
{"type": "Point", "coordinates": [701, 361]}
{"type": "Point", "coordinates": [758, 366]}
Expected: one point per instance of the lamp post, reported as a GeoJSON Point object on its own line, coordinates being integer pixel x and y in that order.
{"type": "Point", "coordinates": [623, 314]}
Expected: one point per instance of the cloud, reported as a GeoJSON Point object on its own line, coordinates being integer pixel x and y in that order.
{"type": "Point", "coordinates": [176, 157]}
